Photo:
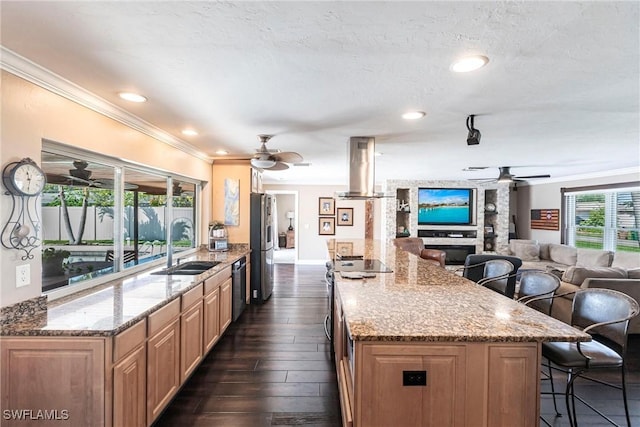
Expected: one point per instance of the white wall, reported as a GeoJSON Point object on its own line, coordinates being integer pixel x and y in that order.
{"type": "Point", "coordinates": [312, 248]}
{"type": "Point", "coordinates": [548, 196]}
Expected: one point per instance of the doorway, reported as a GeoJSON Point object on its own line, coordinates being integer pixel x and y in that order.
{"type": "Point", "coordinates": [286, 226]}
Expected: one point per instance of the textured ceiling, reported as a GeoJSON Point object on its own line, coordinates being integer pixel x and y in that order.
{"type": "Point", "coordinates": [560, 94]}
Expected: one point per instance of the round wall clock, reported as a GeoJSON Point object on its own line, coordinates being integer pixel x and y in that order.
{"type": "Point", "coordinates": [24, 178]}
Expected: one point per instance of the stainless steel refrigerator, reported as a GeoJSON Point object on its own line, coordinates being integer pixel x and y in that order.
{"type": "Point", "coordinates": [261, 242]}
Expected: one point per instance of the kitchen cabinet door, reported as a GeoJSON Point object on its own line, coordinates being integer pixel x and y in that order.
{"type": "Point", "coordinates": [191, 337]}
{"type": "Point", "coordinates": [211, 319]}
{"type": "Point", "coordinates": [225, 305]}
{"type": "Point", "coordinates": [130, 390]}
{"type": "Point", "coordinates": [163, 368]}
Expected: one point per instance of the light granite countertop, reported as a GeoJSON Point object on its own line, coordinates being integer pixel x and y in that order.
{"type": "Point", "coordinates": [115, 306]}
{"type": "Point", "coordinates": [419, 301]}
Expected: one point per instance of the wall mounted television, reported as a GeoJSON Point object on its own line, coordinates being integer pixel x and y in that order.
{"type": "Point", "coordinates": [445, 206]}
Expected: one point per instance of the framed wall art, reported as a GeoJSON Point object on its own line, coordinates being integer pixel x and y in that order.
{"type": "Point", "coordinates": [326, 226]}
{"type": "Point", "coordinates": [345, 216]}
{"type": "Point", "coordinates": [344, 248]}
{"type": "Point", "coordinates": [326, 206]}
{"type": "Point", "coordinates": [545, 219]}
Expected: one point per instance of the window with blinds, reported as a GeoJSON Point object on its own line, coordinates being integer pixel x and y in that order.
{"type": "Point", "coordinates": [603, 219]}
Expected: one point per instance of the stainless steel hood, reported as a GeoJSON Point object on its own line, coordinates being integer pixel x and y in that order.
{"type": "Point", "coordinates": [361, 153]}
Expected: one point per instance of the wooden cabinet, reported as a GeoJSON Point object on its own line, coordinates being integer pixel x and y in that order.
{"type": "Point", "coordinates": [163, 358]}
{"type": "Point", "coordinates": [130, 389]}
{"type": "Point", "coordinates": [440, 402]}
{"type": "Point", "coordinates": [225, 305]}
{"type": "Point", "coordinates": [191, 332]}
{"type": "Point", "coordinates": [59, 374]}
{"type": "Point", "coordinates": [465, 383]}
{"type": "Point", "coordinates": [130, 377]}
{"type": "Point", "coordinates": [211, 331]}
{"type": "Point", "coordinates": [125, 380]}
{"type": "Point", "coordinates": [291, 239]}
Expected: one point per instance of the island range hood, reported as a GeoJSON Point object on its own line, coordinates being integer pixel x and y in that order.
{"type": "Point", "coordinates": [361, 153]}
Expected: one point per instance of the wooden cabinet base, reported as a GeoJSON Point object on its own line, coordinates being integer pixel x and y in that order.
{"type": "Point", "coordinates": [31, 365]}
{"type": "Point", "coordinates": [465, 384]}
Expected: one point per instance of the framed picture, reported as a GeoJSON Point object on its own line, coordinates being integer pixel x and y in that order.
{"type": "Point", "coordinates": [344, 248]}
{"type": "Point", "coordinates": [326, 206]}
{"type": "Point", "coordinates": [326, 226]}
{"type": "Point", "coordinates": [345, 216]}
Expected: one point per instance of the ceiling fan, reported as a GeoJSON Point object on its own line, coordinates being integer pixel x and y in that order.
{"type": "Point", "coordinates": [505, 175]}
{"type": "Point", "coordinates": [81, 176]}
{"type": "Point", "coordinates": [271, 160]}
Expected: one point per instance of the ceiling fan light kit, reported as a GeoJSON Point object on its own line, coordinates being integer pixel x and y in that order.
{"type": "Point", "coordinates": [263, 163]}
{"type": "Point", "coordinates": [270, 160]}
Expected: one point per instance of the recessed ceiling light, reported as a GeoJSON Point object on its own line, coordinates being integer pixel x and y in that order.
{"type": "Point", "coordinates": [222, 152]}
{"type": "Point", "coordinates": [132, 97]}
{"type": "Point", "coordinates": [189, 132]}
{"type": "Point", "coordinates": [413, 115]}
{"type": "Point", "coordinates": [469, 63]}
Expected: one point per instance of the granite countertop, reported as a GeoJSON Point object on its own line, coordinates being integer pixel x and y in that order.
{"type": "Point", "coordinates": [115, 306]}
{"type": "Point", "coordinates": [419, 301]}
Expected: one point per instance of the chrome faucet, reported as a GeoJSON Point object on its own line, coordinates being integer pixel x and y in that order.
{"type": "Point", "coordinates": [170, 241]}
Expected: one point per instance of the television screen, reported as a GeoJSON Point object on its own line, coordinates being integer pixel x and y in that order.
{"type": "Point", "coordinates": [445, 206]}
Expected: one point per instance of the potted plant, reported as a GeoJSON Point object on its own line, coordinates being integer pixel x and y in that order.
{"type": "Point", "coordinates": [53, 261]}
{"type": "Point", "coordinates": [218, 229]}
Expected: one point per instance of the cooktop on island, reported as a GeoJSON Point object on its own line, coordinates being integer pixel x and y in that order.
{"type": "Point", "coordinates": [366, 265]}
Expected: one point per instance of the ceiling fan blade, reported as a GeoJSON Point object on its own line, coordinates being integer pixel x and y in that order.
{"type": "Point", "coordinates": [279, 166]}
{"type": "Point", "coordinates": [475, 168]}
{"type": "Point", "coordinates": [288, 157]}
{"type": "Point", "coordinates": [533, 176]}
{"type": "Point", "coordinates": [80, 180]}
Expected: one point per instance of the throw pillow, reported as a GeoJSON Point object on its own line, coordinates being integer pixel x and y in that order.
{"type": "Point", "coordinates": [544, 251]}
{"type": "Point", "coordinates": [594, 258]}
{"type": "Point", "coordinates": [563, 254]}
{"type": "Point", "coordinates": [576, 275]}
{"type": "Point", "coordinates": [527, 251]}
{"type": "Point", "coordinates": [514, 242]}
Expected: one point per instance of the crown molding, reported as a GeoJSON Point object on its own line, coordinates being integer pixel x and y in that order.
{"type": "Point", "coordinates": [40, 76]}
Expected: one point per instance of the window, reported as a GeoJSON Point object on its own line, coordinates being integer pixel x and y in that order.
{"type": "Point", "coordinates": [603, 218]}
{"type": "Point", "coordinates": [84, 237]}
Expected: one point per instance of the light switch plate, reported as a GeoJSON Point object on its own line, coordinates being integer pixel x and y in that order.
{"type": "Point", "coordinates": [23, 275]}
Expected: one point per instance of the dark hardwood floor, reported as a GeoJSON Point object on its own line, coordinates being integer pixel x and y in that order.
{"type": "Point", "coordinates": [272, 368]}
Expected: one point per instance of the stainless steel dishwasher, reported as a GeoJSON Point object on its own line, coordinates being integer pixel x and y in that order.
{"type": "Point", "coordinates": [239, 287]}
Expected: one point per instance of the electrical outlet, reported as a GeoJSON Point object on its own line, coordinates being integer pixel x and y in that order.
{"type": "Point", "coordinates": [23, 275]}
{"type": "Point", "coordinates": [414, 378]}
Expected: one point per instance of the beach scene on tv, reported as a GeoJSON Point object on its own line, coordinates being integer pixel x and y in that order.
{"type": "Point", "coordinates": [444, 206]}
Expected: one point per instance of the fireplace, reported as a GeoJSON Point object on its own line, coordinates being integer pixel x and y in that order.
{"type": "Point", "coordinates": [456, 254]}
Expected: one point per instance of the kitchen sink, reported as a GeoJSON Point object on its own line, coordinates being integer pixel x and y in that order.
{"type": "Point", "coordinates": [188, 268]}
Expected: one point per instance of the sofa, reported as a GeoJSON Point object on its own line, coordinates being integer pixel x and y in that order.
{"type": "Point", "coordinates": [579, 268]}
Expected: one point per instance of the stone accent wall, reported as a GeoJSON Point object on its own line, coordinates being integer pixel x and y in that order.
{"type": "Point", "coordinates": [500, 220]}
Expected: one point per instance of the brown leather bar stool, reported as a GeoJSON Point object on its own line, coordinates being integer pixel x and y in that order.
{"type": "Point", "coordinates": [434, 255]}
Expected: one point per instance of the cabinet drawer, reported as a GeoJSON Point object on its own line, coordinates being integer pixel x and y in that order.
{"type": "Point", "coordinates": [191, 297]}
{"type": "Point", "coordinates": [216, 280]}
{"type": "Point", "coordinates": [129, 339]}
{"type": "Point", "coordinates": [164, 316]}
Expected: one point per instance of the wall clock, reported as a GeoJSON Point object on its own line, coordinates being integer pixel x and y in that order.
{"type": "Point", "coordinates": [24, 178]}
{"type": "Point", "coordinates": [24, 181]}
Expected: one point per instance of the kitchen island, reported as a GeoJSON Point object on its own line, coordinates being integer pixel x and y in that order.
{"type": "Point", "coordinates": [116, 354]}
{"type": "Point", "coordinates": [422, 346]}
